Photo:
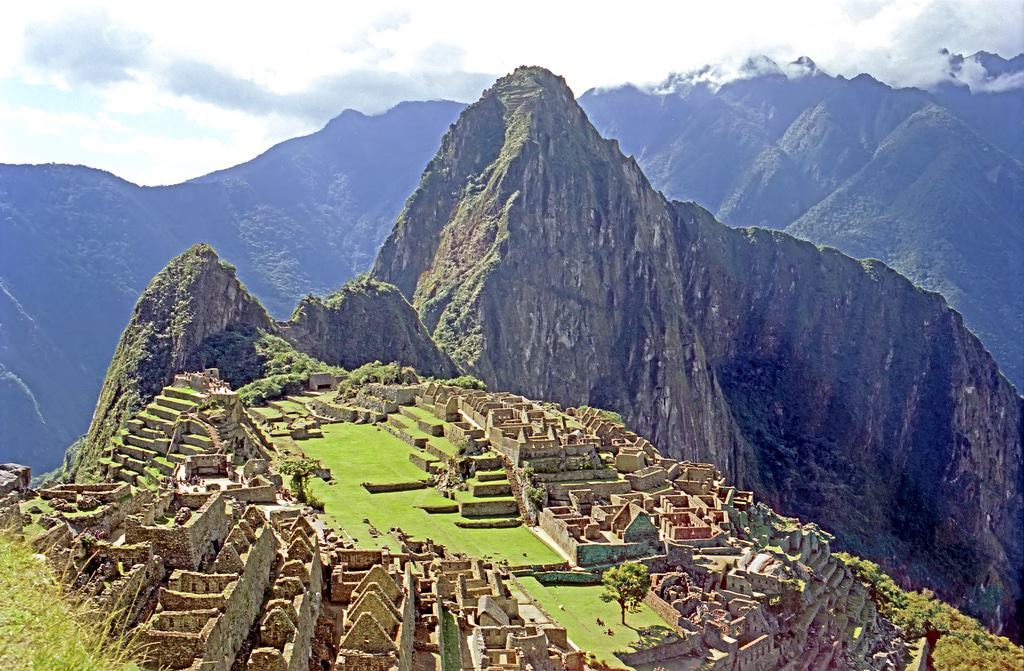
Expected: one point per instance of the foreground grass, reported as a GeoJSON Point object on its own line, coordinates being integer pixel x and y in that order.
{"type": "Point", "coordinates": [578, 607]}
{"type": "Point", "coordinates": [358, 453]}
{"type": "Point", "coordinates": [41, 629]}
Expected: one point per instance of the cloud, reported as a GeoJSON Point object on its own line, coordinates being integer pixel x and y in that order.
{"type": "Point", "coordinates": [85, 49]}
{"type": "Point", "coordinates": [986, 73]}
{"type": "Point", "coordinates": [193, 73]}
{"type": "Point", "coordinates": [370, 91]}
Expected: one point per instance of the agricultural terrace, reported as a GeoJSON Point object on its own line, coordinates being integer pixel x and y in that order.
{"type": "Point", "coordinates": [357, 453]}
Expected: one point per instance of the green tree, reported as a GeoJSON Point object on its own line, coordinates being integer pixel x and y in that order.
{"type": "Point", "coordinates": [627, 585]}
{"type": "Point", "coordinates": [299, 469]}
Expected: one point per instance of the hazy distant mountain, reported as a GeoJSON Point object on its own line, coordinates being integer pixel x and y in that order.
{"type": "Point", "coordinates": [79, 245]}
{"type": "Point", "coordinates": [929, 182]}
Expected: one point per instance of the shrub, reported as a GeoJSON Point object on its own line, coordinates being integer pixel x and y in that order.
{"type": "Point", "coordinates": [535, 495]}
{"type": "Point", "coordinates": [385, 373]}
{"type": "Point", "coordinates": [464, 381]}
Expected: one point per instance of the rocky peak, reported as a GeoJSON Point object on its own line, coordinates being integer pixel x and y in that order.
{"type": "Point", "coordinates": [194, 296]}
{"type": "Point", "coordinates": [541, 259]}
{"type": "Point", "coordinates": [365, 321]}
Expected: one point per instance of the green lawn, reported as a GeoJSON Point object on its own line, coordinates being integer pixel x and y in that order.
{"type": "Point", "coordinates": [362, 452]}
{"type": "Point", "coordinates": [267, 412]}
{"type": "Point", "coordinates": [292, 406]}
{"type": "Point", "coordinates": [583, 606]}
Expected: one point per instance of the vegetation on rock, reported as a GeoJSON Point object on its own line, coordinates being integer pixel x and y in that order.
{"type": "Point", "coordinates": [958, 642]}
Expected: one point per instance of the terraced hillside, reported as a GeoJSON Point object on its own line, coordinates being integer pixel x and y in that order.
{"type": "Point", "coordinates": [158, 439]}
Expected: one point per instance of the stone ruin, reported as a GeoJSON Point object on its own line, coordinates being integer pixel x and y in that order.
{"type": "Point", "coordinates": [217, 570]}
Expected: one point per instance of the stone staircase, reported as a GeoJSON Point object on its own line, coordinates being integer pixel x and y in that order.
{"type": "Point", "coordinates": [516, 490]}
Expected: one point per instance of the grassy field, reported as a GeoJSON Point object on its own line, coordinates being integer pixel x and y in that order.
{"type": "Point", "coordinates": [581, 606]}
{"type": "Point", "coordinates": [41, 630]}
{"type": "Point", "coordinates": [358, 453]}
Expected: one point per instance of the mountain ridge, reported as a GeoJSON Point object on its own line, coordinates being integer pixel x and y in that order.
{"type": "Point", "coordinates": [195, 314]}
{"type": "Point", "coordinates": [775, 151]}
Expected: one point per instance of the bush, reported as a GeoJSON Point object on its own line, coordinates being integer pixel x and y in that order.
{"type": "Point", "coordinates": [464, 381]}
{"type": "Point", "coordinates": [384, 373]}
{"type": "Point", "coordinates": [536, 496]}
{"type": "Point", "coordinates": [269, 388]}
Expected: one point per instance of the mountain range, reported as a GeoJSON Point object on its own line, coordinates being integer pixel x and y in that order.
{"type": "Point", "coordinates": [535, 255]}
{"type": "Point", "coordinates": [929, 182]}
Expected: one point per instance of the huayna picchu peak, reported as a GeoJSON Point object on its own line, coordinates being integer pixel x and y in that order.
{"type": "Point", "coordinates": [562, 423]}
{"type": "Point", "coordinates": [543, 262]}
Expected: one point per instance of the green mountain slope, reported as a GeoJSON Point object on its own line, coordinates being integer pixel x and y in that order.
{"type": "Point", "coordinates": [943, 207]}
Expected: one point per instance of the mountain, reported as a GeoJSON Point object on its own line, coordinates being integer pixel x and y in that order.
{"type": "Point", "coordinates": [543, 261]}
{"type": "Point", "coordinates": [194, 297]}
{"type": "Point", "coordinates": [928, 182]}
{"type": "Point", "coordinates": [195, 314]}
{"type": "Point", "coordinates": [81, 244]}
{"type": "Point", "coordinates": [363, 321]}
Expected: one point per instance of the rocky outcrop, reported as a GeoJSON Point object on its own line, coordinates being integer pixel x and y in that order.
{"type": "Point", "coordinates": [195, 313]}
{"type": "Point", "coordinates": [195, 296]}
{"type": "Point", "coordinates": [365, 321]}
{"type": "Point", "coordinates": [542, 260]}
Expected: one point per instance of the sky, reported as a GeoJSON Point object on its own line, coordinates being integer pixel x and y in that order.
{"type": "Point", "coordinates": [161, 92]}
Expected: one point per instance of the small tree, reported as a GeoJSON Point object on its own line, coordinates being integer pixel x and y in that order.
{"type": "Point", "coordinates": [299, 469]}
{"type": "Point", "coordinates": [627, 585]}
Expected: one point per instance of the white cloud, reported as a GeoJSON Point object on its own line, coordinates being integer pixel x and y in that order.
{"type": "Point", "coordinates": [229, 78]}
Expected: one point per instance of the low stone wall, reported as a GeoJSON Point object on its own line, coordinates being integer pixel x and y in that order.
{"type": "Point", "coordinates": [266, 494]}
{"type": "Point", "coordinates": [488, 508]}
{"type": "Point", "coordinates": [431, 428]}
{"type": "Point", "coordinates": [560, 490]}
{"type": "Point", "coordinates": [417, 442]}
{"type": "Point", "coordinates": [661, 652]}
{"type": "Point", "coordinates": [421, 461]}
{"type": "Point", "coordinates": [599, 554]}
{"type": "Point", "coordinates": [567, 578]}
{"type": "Point", "coordinates": [102, 492]}
{"type": "Point", "coordinates": [492, 489]}
{"type": "Point", "coordinates": [577, 476]}
{"type": "Point", "coordinates": [663, 608]}
{"type": "Point", "coordinates": [384, 487]}
{"type": "Point", "coordinates": [440, 509]}
{"type": "Point", "coordinates": [344, 414]}
{"type": "Point", "coordinates": [502, 523]}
